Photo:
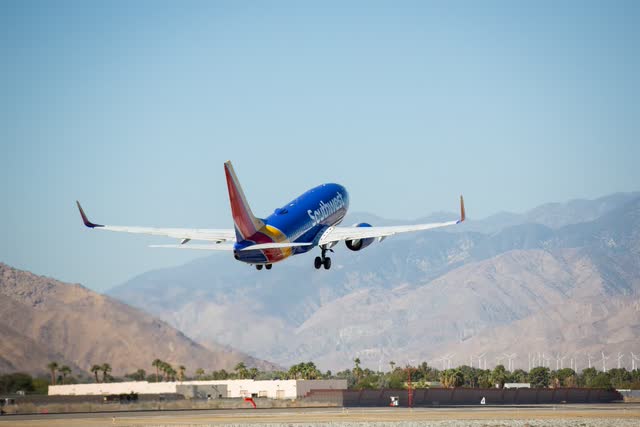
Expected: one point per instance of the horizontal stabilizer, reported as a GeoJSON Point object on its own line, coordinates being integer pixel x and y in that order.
{"type": "Point", "coordinates": [218, 247]}
{"type": "Point", "coordinates": [274, 246]}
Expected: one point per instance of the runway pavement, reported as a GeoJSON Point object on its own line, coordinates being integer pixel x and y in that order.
{"type": "Point", "coordinates": [582, 414]}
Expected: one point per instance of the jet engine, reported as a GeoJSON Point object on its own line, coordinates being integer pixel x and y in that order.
{"type": "Point", "coordinates": [357, 244]}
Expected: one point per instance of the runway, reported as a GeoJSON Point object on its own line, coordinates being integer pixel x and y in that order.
{"type": "Point", "coordinates": [584, 414]}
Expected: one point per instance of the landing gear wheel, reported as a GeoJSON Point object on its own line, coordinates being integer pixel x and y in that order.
{"type": "Point", "coordinates": [259, 267]}
{"type": "Point", "coordinates": [268, 266]}
{"type": "Point", "coordinates": [317, 263]}
{"type": "Point", "coordinates": [327, 263]}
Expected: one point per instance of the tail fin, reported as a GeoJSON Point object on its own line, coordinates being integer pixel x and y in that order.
{"type": "Point", "coordinates": [246, 224]}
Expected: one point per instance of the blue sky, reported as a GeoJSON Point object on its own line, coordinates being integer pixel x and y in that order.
{"type": "Point", "coordinates": [132, 107]}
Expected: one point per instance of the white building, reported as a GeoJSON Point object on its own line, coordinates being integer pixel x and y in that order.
{"type": "Point", "coordinates": [276, 389]}
{"type": "Point", "coordinates": [517, 385]}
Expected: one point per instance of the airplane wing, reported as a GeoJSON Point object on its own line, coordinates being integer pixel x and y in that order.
{"type": "Point", "coordinates": [336, 234]}
{"type": "Point", "coordinates": [184, 234]}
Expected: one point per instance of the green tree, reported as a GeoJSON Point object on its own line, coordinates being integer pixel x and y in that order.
{"type": "Point", "coordinates": [105, 368]}
{"type": "Point", "coordinates": [452, 378]}
{"type": "Point", "coordinates": [166, 369]}
{"type": "Point", "coordinates": [566, 377]}
{"type": "Point", "coordinates": [601, 380]}
{"type": "Point", "coordinates": [310, 371]}
{"type": "Point", "coordinates": [95, 369]}
{"type": "Point", "coordinates": [17, 381]}
{"type": "Point", "coordinates": [499, 376]}
{"type": "Point", "coordinates": [65, 370]}
{"type": "Point", "coordinates": [241, 370]}
{"type": "Point", "coordinates": [40, 385]}
{"type": "Point", "coordinates": [587, 376]}
{"type": "Point", "coordinates": [519, 376]}
{"type": "Point", "coordinates": [199, 373]}
{"type": "Point", "coordinates": [181, 370]}
{"type": "Point", "coordinates": [53, 367]}
{"type": "Point", "coordinates": [357, 370]}
{"type": "Point", "coordinates": [220, 375]}
{"type": "Point", "coordinates": [539, 377]}
{"type": "Point", "coordinates": [138, 375]}
{"type": "Point", "coordinates": [171, 373]}
{"type": "Point", "coordinates": [620, 378]}
{"type": "Point", "coordinates": [470, 376]}
{"type": "Point", "coordinates": [484, 379]}
{"type": "Point", "coordinates": [253, 373]}
{"type": "Point", "coordinates": [157, 363]}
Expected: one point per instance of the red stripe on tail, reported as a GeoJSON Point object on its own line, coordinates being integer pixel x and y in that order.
{"type": "Point", "coordinates": [246, 224]}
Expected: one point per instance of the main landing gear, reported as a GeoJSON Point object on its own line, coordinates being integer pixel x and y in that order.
{"type": "Point", "coordinates": [322, 260]}
{"type": "Point", "coordinates": [267, 266]}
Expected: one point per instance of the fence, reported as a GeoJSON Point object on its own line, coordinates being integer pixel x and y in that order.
{"type": "Point", "coordinates": [463, 396]}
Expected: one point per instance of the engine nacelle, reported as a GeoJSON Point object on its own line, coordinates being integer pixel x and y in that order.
{"type": "Point", "coordinates": [357, 244]}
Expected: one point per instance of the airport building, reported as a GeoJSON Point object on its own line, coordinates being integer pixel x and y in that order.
{"type": "Point", "coordinates": [275, 389]}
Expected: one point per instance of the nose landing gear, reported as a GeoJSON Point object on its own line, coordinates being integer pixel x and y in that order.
{"type": "Point", "coordinates": [267, 266]}
{"type": "Point", "coordinates": [322, 260]}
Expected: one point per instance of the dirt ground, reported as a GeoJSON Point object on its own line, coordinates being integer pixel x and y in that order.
{"type": "Point", "coordinates": [547, 415]}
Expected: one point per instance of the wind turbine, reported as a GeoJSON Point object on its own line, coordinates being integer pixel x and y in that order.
{"type": "Point", "coordinates": [546, 359]}
{"type": "Point", "coordinates": [634, 358]}
{"type": "Point", "coordinates": [620, 356]}
{"type": "Point", "coordinates": [449, 357]}
{"type": "Point", "coordinates": [604, 362]}
{"type": "Point", "coordinates": [480, 356]}
{"type": "Point", "coordinates": [443, 360]}
{"type": "Point", "coordinates": [562, 361]}
{"type": "Point", "coordinates": [510, 359]}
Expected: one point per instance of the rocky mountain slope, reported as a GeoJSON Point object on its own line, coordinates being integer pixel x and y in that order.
{"type": "Point", "coordinates": [44, 320]}
{"type": "Point", "coordinates": [559, 284]}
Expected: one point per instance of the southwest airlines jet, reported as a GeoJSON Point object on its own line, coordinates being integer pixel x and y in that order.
{"type": "Point", "coordinates": [307, 222]}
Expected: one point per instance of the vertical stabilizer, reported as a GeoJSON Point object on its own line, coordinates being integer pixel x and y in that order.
{"type": "Point", "coordinates": [246, 224]}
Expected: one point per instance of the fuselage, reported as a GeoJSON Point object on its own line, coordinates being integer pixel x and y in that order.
{"type": "Point", "coordinates": [302, 220]}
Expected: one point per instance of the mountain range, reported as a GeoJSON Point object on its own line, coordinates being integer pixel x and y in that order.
{"type": "Point", "coordinates": [561, 279]}
{"type": "Point", "coordinates": [45, 320]}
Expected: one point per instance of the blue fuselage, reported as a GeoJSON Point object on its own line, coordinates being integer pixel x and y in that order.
{"type": "Point", "coordinates": [304, 219]}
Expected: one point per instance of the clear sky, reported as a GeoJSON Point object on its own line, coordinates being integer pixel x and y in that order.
{"type": "Point", "coordinates": [132, 107]}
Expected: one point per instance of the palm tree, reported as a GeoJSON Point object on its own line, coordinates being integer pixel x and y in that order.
{"type": "Point", "coordinates": [241, 370]}
{"type": "Point", "coordinates": [65, 370]}
{"type": "Point", "coordinates": [157, 363]}
{"type": "Point", "coordinates": [166, 368]}
{"type": "Point", "coordinates": [357, 371]}
{"type": "Point", "coordinates": [199, 373]}
{"type": "Point", "coordinates": [392, 364]}
{"type": "Point", "coordinates": [171, 373]}
{"type": "Point", "coordinates": [95, 369]}
{"type": "Point", "coordinates": [53, 367]}
{"type": "Point", "coordinates": [105, 368]}
{"type": "Point", "coordinates": [181, 370]}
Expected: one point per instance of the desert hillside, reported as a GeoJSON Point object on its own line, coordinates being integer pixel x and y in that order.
{"type": "Point", "coordinates": [44, 319]}
{"type": "Point", "coordinates": [560, 279]}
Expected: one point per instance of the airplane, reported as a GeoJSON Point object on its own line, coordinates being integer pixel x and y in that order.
{"type": "Point", "coordinates": [309, 221]}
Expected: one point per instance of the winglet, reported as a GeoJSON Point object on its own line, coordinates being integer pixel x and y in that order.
{"type": "Point", "coordinates": [85, 219]}
{"type": "Point", "coordinates": [463, 215]}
